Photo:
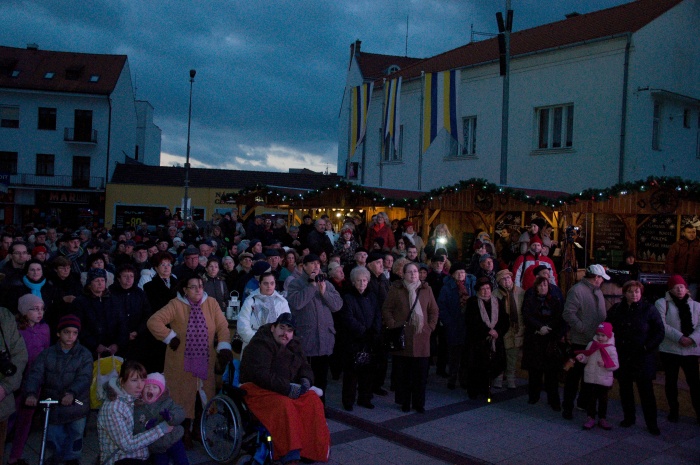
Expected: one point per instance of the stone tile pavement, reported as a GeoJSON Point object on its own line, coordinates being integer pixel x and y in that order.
{"type": "Point", "coordinates": [456, 430]}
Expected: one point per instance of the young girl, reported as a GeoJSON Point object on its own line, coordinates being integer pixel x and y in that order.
{"type": "Point", "coordinates": [600, 357]}
{"type": "Point", "coordinates": [35, 333]}
{"type": "Point", "coordinates": [115, 422]}
{"type": "Point", "coordinates": [154, 406]}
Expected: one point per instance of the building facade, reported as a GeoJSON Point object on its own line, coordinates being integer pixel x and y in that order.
{"type": "Point", "coordinates": [594, 100]}
{"type": "Point", "coordinates": [66, 120]}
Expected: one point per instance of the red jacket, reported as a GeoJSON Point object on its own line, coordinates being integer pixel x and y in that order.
{"type": "Point", "coordinates": [525, 265]}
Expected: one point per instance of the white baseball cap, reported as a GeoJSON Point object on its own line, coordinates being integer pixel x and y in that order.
{"type": "Point", "coordinates": [598, 270]}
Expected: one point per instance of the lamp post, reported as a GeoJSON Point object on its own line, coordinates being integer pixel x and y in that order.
{"type": "Point", "coordinates": [185, 207]}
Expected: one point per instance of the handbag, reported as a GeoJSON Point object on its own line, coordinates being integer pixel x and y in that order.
{"type": "Point", "coordinates": [395, 338]}
{"type": "Point", "coordinates": [103, 370]}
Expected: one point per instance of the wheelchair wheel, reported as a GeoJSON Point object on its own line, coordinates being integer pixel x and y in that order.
{"type": "Point", "coordinates": [221, 429]}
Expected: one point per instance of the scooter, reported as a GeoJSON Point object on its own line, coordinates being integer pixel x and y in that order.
{"type": "Point", "coordinates": [47, 408]}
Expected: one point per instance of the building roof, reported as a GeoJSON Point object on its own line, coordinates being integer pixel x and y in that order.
{"type": "Point", "coordinates": [174, 176]}
{"type": "Point", "coordinates": [85, 73]}
{"type": "Point", "coordinates": [575, 29]}
{"type": "Point", "coordinates": [375, 66]}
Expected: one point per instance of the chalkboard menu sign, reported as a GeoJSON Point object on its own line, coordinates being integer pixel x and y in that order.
{"type": "Point", "coordinates": [608, 232]}
{"type": "Point", "coordinates": [655, 234]}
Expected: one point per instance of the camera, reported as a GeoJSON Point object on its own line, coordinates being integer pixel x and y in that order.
{"type": "Point", "coordinates": [7, 368]}
{"type": "Point", "coordinates": [571, 233]}
{"type": "Point", "coordinates": [320, 278]}
{"type": "Point", "coordinates": [442, 240]}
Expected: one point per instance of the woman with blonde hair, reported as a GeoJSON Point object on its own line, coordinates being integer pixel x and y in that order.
{"type": "Point", "coordinates": [380, 229]}
{"type": "Point", "coordinates": [441, 239]}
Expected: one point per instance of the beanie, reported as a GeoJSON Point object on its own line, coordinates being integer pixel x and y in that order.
{"type": "Point", "coordinates": [535, 240]}
{"type": "Point", "coordinates": [68, 321]}
{"type": "Point", "coordinates": [156, 378]}
{"type": "Point", "coordinates": [27, 302]}
{"type": "Point", "coordinates": [95, 273]}
{"type": "Point", "coordinates": [675, 280]}
{"type": "Point", "coordinates": [605, 328]}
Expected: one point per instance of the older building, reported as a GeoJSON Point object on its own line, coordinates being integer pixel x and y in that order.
{"type": "Point", "coordinates": [66, 119]}
{"type": "Point", "coordinates": [594, 100]}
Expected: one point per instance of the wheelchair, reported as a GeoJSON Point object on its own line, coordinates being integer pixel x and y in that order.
{"type": "Point", "coordinates": [231, 432]}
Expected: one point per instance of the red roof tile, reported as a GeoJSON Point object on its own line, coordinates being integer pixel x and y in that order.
{"type": "Point", "coordinates": [374, 65]}
{"type": "Point", "coordinates": [621, 19]}
{"type": "Point", "coordinates": [32, 65]}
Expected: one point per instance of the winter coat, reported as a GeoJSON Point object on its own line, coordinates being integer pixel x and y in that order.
{"type": "Point", "coordinates": [163, 409]}
{"type": "Point", "coordinates": [524, 267]}
{"type": "Point", "coordinates": [36, 339]}
{"type": "Point", "coordinates": [56, 307]}
{"type": "Point", "coordinates": [217, 289]}
{"type": "Point", "coordinates": [272, 366]}
{"type": "Point", "coordinates": [480, 357]}
{"type": "Point", "coordinates": [346, 254]}
{"type": "Point", "coordinates": [451, 312]}
{"type": "Point", "coordinates": [176, 314]}
{"type": "Point", "coordinates": [450, 247]}
{"type": "Point", "coordinates": [56, 373]}
{"type": "Point", "coordinates": [319, 241]}
{"type": "Point", "coordinates": [683, 258]}
{"type": "Point", "coordinates": [158, 295]}
{"type": "Point", "coordinates": [384, 232]}
{"type": "Point", "coordinates": [103, 321]}
{"type": "Point", "coordinates": [258, 310]}
{"type": "Point", "coordinates": [539, 352]}
{"type": "Point", "coordinates": [313, 315]}
{"type": "Point", "coordinates": [115, 428]}
{"type": "Point", "coordinates": [639, 331]}
{"type": "Point", "coordinates": [395, 312]}
{"type": "Point", "coordinates": [514, 337]}
{"type": "Point", "coordinates": [416, 240]}
{"type": "Point", "coordinates": [672, 323]}
{"type": "Point", "coordinates": [109, 279]}
{"type": "Point", "coordinates": [18, 354]}
{"type": "Point", "coordinates": [361, 320]}
{"type": "Point", "coordinates": [584, 310]}
{"type": "Point", "coordinates": [595, 374]}
{"type": "Point", "coordinates": [134, 303]}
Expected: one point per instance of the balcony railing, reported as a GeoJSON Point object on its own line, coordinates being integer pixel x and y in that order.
{"type": "Point", "coordinates": [25, 179]}
{"type": "Point", "coordinates": [81, 137]}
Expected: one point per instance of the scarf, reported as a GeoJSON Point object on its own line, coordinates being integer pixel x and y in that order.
{"type": "Point", "coordinates": [492, 320]}
{"type": "Point", "coordinates": [684, 314]}
{"type": "Point", "coordinates": [463, 294]}
{"type": "Point", "coordinates": [197, 342]}
{"type": "Point", "coordinates": [410, 237]}
{"type": "Point", "coordinates": [35, 287]}
{"type": "Point", "coordinates": [417, 319]}
{"type": "Point", "coordinates": [511, 308]}
{"type": "Point", "coordinates": [595, 345]}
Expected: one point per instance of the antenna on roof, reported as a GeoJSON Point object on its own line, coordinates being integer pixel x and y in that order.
{"type": "Point", "coordinates": [406, 52]}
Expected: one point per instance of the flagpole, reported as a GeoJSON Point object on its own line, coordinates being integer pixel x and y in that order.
{"type": "Point", "coordinates": [506, 96]}
{"type": "Point", "coordinates": [382, 133]}
{"type": "Point", "coordinates": [420, 134]}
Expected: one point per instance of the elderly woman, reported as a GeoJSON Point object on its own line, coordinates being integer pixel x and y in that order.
{"type": "Point", "coordinates": [96, 260]}
{"type": "Point", "coordinates": [681, 345]}
{"type": "Point", "coordinates": [263, 306]}
{"type": "Point", "coordinates": [410, 303]}
{"type": "Point", "coordinates": [639, 331]}
{"type": "Point", "coordinates": [380, 229]}
{"type": "Point", "coordinates": [487, 323]}
{"type": "Point", "coordinates": [361, 319]}
{"type": "Point", "coordinates": [345, 246]}
{"type": "Point", "coordinates": [190, 324]}
{"type": "Point", "coordinates": [441, 239]}
{"type": "Point", "coordinates": [544, 328]}
{"type": "Point", "coordinates": [512, 298]}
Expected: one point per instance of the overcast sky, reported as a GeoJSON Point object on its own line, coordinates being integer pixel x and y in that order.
{"type": "Point", "coordinates": [270, 74]}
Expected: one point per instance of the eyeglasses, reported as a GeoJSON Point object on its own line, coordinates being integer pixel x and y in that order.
{"type": "Point", "coordinates": [20, 253]}
{"type": "Point", "coordinates": [166, 264]}
{"type": "Point", "coordinates": [195, 288]}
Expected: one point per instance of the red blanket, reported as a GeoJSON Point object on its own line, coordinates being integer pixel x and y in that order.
{"type": "Point", "coordinates": [292, 423]}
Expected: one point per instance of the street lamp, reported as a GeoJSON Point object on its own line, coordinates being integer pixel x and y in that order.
{"type": "Point", "coordinates": [185, 207]}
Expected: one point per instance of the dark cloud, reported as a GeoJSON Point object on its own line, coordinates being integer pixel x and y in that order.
{"type": "Point", "coordinates": [270, 74]}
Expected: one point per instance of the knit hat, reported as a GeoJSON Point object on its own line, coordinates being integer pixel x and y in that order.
{"type": "Point", "coordinates": [156, 378]}
{"type": "Point", "coordinates": [535, 240]}
{"type": "Point", "coordinates": [539, 268]}
{"type": "Point", "coordinates": [408, 224]}
{"type": "Point", "coordinates": [68, 321]}
{"type": "Point", "coordinates": [459, 266]}
{"type": "Point", "coordinates": [485, 257]}
{"type": "Point", "coordinates": [374, 256]}
{"type": "Point", "coordinates": [189, 251]}
{"type": "Point", "coordinates": [539, 222]}
{"type": "Point", "coordinates": [286, 318]}
{"type": "Point", "coordinates": [95, 273]}
{"type": "Point", "coordinates": [481, 282]}
{"type": "Point", "coordinates": [259, 256]}
{"type": "Point", "coordinates": [675, 280]}
{"type": "Point", "coordinates": [605, 328]}
{"type": "Point", "coordinates": [503, 273]}
{"type": "Point", "coordinates": [37, 249]}
{"type": "Point", "coordinates": [27, 302]}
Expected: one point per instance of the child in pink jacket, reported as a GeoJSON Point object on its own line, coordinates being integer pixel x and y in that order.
{"type": "Point", "coordinates": [600, 358]}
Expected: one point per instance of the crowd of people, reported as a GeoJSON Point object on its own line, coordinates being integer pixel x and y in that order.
{"type": "Point", "coordinates": [315, 303]}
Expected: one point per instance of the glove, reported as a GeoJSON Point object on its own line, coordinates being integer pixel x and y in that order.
{"type": "Point", "coordinates": [544, 330]}
{"type": "Point", "coordinates": [174, 343]}
{"type": "Point", "coordinates": [166, 415]}
{"type": "Point", "coordinates": [319, 392]}
{"type": "Point", "coordinates": [151, 423]}
{"type": "Point", "coordinates": [224, 356]}
{"type": "Point", "coordinates": [294, 390]}
{"type": "Point", "coordinates": [306, 383]}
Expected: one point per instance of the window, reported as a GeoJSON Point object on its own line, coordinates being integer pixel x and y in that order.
{"type": "Point", "coordinates": [47, 119]}
{"type": "Point", "coordinates": [49, 75]}
{"type": "Point", "coordinates": [555, 127]}
{"type": "Point", "coordinates": [94, 78]}
{"type": "Point", "coordinates": [83, 126]}
{"type": "Point", "coordinates": [686, 118]}
{"type": "Point", "coordinates": [81, 171]}
{"type": "Point", "coordinates": [15, 73]}
{"type": "Point", "coordinates": [392, 153]}
{"type": "Point", "coordinates": [44, 164]}
{"type": "Point", "coordinates": [8, 162]}
{"type": "Point", "coordinates": [469, 134]}
{"type": "Point", "coordinates": [9, 116]}
{"type": "Point", "coordinates": [656, 127]}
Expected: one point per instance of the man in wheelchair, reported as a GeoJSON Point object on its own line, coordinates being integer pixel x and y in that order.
{"type": "Point", "coordinates": [278, 382]}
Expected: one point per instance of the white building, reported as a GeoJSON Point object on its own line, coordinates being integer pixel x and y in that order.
{"type": "Point", "coordinates": [66, 120]}
{"type": "Point", "coordinates": [595, 99]}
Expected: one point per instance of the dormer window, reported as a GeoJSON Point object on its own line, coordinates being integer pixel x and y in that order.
{"type": "Point", "coordinates": [392, 69]}
{"type": "Point", "coordinates": [94, 78]}
{"type": "Point", "coordinates": [49, 75]}
{"type": "Point", "coordinates": [15, 73]}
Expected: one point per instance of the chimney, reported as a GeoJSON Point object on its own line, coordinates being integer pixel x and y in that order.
{"type": "Point", "coordinates": [354, 50]}
{"type": "Point", "coordinates": [572, 15]}
{"type": "Point", "coordinates": [33, 46]}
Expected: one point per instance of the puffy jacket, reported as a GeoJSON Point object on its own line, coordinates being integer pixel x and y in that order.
{"type": "Point", "coordinates": [594, 374]}
{"type": "Point", "coordinates": [258, 310]}
{"type": "Point", "coordinates": [18, 353]}
{"type": "Point", "coordinates": [584, 310]}
{"type": "Point", "coordinates": [145, 413]}
{"type": "Point", "coordinates": [672, 325]}
{"type": "Point", "coordinates": [55, 373]}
